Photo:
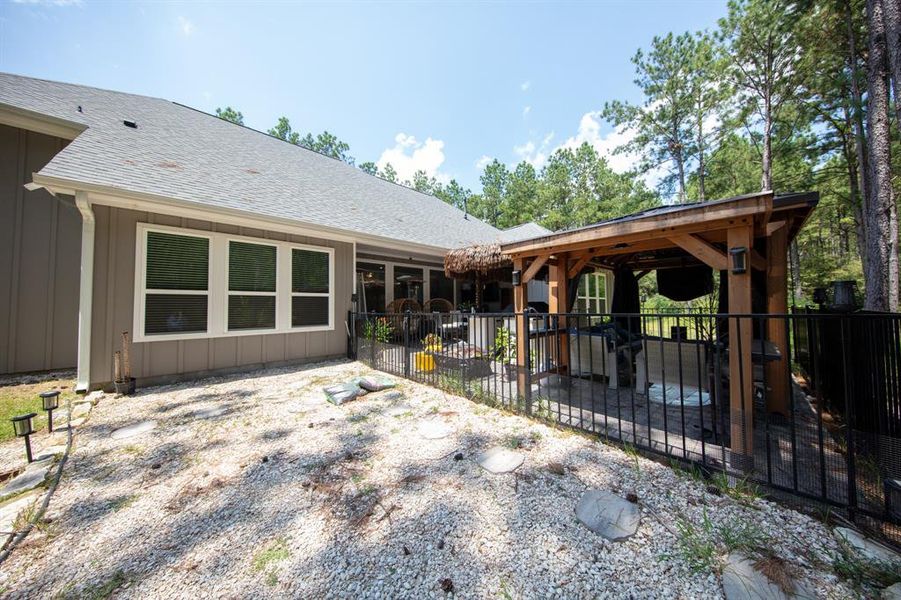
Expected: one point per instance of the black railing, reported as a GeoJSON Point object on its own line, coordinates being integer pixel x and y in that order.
{"type": "Point", "coordinates": [669, 384]}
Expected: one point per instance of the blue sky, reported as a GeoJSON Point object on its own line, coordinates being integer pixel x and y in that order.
{"type": "Point", "coordinates": [422, 85]}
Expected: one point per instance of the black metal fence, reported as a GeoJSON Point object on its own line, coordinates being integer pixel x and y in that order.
{"type": "Point", "coordinates": [667, 383]}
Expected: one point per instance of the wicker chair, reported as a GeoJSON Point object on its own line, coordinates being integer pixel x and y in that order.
{"type": "Point", "coordinates": [402, 305]}
{"type": "Point", "coordinates": [438, 305]}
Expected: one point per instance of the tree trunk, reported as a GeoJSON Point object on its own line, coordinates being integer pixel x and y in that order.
{"type": "Point", "coordinates": [794, 258]}
{"type": "Point", "coordinates": [892, 12]}
{"type": "Point", "coordinates": [882, 226]}
{"type": "Point", "coordinates": [860, 149]}
{"type": "Point", "coordinates": [680, 165]}
{"type": "Point", "coordinates": [701, 192]}
{"type": "Point", "coordinates": [766, 175]}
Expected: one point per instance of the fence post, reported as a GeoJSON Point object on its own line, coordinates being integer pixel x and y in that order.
{"type": "Point", "coordinates": [373, 323]}
{"type": "Point", "coordinates": [849, 424]}
{"type": "Point", "coordinates": [523, 360]}
{"type": "Point", "coordinates": [407, 343]}
{"type": "Point", "coordinates": [351, 335]}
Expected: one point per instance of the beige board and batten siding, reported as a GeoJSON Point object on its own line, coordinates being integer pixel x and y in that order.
{"type": "Point", "coordinates": [157, 361]}
{"type": "Point", "coordinates": [40, 241]}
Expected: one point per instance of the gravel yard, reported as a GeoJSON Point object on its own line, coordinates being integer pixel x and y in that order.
{"type": "Point", "coordinates": [256, 486]}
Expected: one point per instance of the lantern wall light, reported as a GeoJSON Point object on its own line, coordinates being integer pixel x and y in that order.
{"type": "Point", "coordinates": [517, 278]}
{"type": "Point", "coordinates": [24, 427]}
{"type": "Point", "coordinates": [739, 259]}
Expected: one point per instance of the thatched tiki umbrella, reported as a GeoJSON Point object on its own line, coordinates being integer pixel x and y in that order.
{"type": "Point", "coordinates": [483, 261]}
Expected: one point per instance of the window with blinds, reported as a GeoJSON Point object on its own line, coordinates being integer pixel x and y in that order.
{"type": "Point", "coordinates": [198, 284]}
{"type": "Point", "coordinates": [251, 285]}
{"type": "Point", "coordinates": [176, 284]}
{"type": "Point", "coordinates": [310, 288]}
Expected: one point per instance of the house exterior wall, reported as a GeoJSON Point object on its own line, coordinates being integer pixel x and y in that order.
{"type": "Point", "coordinates": [113, 309]}
{"type": "Point", "coordinates": [40, 240]}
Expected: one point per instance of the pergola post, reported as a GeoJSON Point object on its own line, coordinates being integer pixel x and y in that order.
{"type": "Point", "coordinates": [520, 305]}
{"type": "Point", "coordinates": [777, 303]}
{"type": "Point", "coordinates": [741, 385]}
{"type": "Point", "coordinates": [558, 303]}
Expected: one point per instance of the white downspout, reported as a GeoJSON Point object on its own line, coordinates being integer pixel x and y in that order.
{"type": "Point", "coordinates": [86, 291]}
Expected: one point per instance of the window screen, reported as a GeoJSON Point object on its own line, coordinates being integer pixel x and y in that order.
{"type": "Point", "coordinates": [177, 283]}
{"type": "Point", "coordinates": [309, 288]}
{"type": "Point", "coordinates": [251, 285]}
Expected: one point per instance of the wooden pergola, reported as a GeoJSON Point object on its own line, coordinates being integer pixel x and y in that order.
{"type": "Point", "coordinates": [758, 227]}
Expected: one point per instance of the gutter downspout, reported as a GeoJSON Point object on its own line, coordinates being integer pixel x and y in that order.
{"type": "Point", "coordinates": [86, 291]}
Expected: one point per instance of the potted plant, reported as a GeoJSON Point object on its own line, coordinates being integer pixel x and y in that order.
{"type": "Point", "coordinates": [123, 381]}
{"type": "Point", "coordinates": [504, 350]}
{"type": "Point", "coordinates": [376, 333]}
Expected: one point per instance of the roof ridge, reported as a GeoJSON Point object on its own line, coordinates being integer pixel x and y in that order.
{"type": "Point", "coordinates": [82, 86]}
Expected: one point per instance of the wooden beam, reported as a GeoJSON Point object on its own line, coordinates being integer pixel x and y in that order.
{"type": "Point", "coordinates": [580, 264]}
{"type": "Point", "coordinates": [774, 226]}
{"type": "Point", "coordinates": [520, 304]}
{"type": "Point", "coordinates": [642, 274]}
{"type": "Point", "coordinates": [558, 302]}
{"type": "Point", "coordinates": [777, 372]}
{"type": "Point", "coordinates": [702, 250]}
{"type": "Point", "coordinates": [741, 384]}
{"type": "Point", "coordinates": [688, 220]}
{"type": "Point", "coordinates": [533, 268]}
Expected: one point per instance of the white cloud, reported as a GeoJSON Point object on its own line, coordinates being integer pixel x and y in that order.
{"type": "Point", "coordinates": [535, 154]}
{"type": "Point", "coordinates": [525, 111]}
{"type": "Point", "coordinates": [525, 85]}
{"type": "Point", "coordinates": [186, 26]}
{"type": "Point", "coordinates": [409, 155]}
{"type": "Point", "coordinates": [483, 162]}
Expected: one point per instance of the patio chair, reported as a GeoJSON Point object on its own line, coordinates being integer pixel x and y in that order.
{"type": "Point", "coordinates": [402, 305]}
{"type": "Point", "coordinates": [439, 305]}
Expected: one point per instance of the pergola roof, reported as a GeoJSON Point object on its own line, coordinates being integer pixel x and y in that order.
{"type": "Point", "coordinates": [671, 235]}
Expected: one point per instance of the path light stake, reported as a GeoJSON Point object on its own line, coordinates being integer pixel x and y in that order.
{"type": "Point", "coordinates": [23, 427]}
{"type": "Point", "coordinates": [50, 402]}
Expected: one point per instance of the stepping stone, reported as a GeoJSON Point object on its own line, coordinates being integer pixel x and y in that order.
{"type": "Point", "coordinates": [210, 413]}
{"type": "Point", "coordinates": [434, 429]}
{"type": "Point", "coordinates": [500, 460]}
{"type": "Point", "coordinates": [29, 479]}
{"type": "Point", "coordinates": [9, 512]}
{"type": "Point", "coordinates": [398, 410]}
{"type": "Point", "coordinates": [133, 430]}
{"type": "Point", "coordinates": [866, 548]}
{"type": "Point", "coordinates": [608, 515]}
{"type": "Point", "coordinates": [892, 592]}
{"type": "Point", "coordinates": [49, 452]}
{"type": "Point", "coordinates": [742, 581]}
{"type": "Point", "coordinates": [81, 410]}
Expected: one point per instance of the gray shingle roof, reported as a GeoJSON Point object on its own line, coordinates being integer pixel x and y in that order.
{"type": "Point", "coordinates": [180, 153]}
{"type": "Point", "coordinates": [522, 232]}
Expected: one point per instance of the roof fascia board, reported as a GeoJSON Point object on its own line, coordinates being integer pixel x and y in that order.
{"type": "Point", "coordinates": [39, 123]}
{"type": "Point", "coordinates": [168, 206]}
{"type": "Point", "coordinates": [646, 226]}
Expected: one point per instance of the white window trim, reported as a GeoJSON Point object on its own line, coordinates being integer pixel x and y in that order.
{"type": "Point", "coordinates": [278, 278]}
{"type": "Point", "coordinates": [597, 296]}
{"type": "Point", "coordinates": [217, 286]}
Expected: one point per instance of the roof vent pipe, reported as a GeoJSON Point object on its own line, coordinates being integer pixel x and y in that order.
{"type": "Point", "coordinates": [130, 123]}
{"type": "Point", "coordinates": [466, 208]}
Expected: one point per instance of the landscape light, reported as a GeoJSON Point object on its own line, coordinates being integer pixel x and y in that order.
{"type": "Point", "coordinates": [50, 402]}
{"type": "Point", "coordinates": [23, 427]}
